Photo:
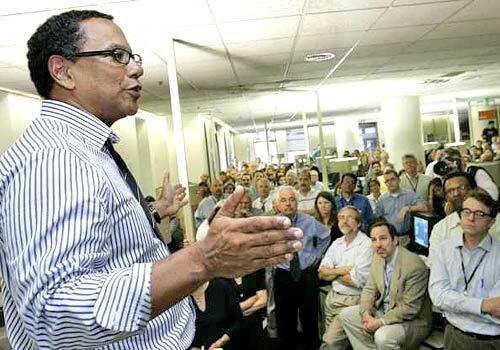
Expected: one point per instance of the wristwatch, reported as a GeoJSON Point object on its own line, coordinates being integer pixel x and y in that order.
{"type": "Point", "coordinates": [154, 213]}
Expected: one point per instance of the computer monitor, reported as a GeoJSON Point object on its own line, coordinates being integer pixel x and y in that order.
{"type": "Point", "coordinates": [421, 231]}
{"type": "Point", "coordinates": [422, 228]}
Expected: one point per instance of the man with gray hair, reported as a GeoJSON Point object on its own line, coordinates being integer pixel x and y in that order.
{"type": "Point", "coordinates": [347, 265]}
{"type": "Point", "coordinates": [296, 283]}
{"type": "Point", "coordinates": [412, 180]}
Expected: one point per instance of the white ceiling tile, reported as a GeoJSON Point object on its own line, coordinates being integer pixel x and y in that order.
{"type": "Point", "coordinates": [230, 10]}
{"type": "Point", "coordinates": [479, 41]}
{"type": "Point", "coordinates": [380, 50]}
{"type": "Point", "coordinates": [478, 9]}
{"type": "Point", "coordinates": [207, 35]}
{"type": "Point", "coordinates": [256, 62]}
{"type": "Point", "coordinates": [16, 7]}
{"type": "Point", "coordinates": [464, 29]}
{"type": "Point", "coordinates": [20, 27]}
{"type": "Point", "coordinates": [394, 35]}
{"type": "Point", "coordinates": [187, 13]}
{"type": "Point", "coordinates": [186, 53]}
{"type": "Point", "coordinates": [415, 2]}
{"type": "Point", "coordinates": [338, 22]}
{"type": "Point", "coordinates": [344, 5]}
{"type": "Point", "coordinates": [316, 43]}
{"type": "Point", "coordinates": [203, 68]}
{"type": "Point", "coordinates": [418, 14]}
{"type": "Point", "coordinates": [258, 47]}
{"type": "Point", "coordinates": [261, 29]}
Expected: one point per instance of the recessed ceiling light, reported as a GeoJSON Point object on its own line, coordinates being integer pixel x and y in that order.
{"type": "Point", "coordinates": [320, 57]}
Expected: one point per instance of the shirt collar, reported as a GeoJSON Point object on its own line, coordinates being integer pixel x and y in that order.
{"type": "Point", "coordinates": [392, 262]}
{"type": "Point", "coordinates": [454, 220]}
{"type": "Point", "coordinates": [356, 241]}
{"type": "Point", "coordinates": [92, 130]}
{"type": "Point", "coordinates": [485, 244]}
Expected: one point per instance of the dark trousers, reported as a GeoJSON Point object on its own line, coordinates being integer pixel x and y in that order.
{"type": "Point", "coordinates": [454, 339]}
{"type": "Point", "coordinates": [292, 297]}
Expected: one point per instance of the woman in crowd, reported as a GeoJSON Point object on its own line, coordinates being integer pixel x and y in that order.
{"type": "Point", "coordinates": [325, 211]}
{"type": "Point", "coordinates": [218, 315]}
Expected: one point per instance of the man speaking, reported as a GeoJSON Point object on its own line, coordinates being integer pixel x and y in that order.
{"type": "Point", "coordinates": [83, 264]}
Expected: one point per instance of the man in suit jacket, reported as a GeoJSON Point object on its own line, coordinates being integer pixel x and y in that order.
{"type": "Point", "coordinates": [394, 317]}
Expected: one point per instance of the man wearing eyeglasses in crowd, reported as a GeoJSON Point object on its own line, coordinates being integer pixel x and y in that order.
{"type": "Point", "coordinates": [465, 278]}
{"type": "Point", "coordinates": [83, 264]}
{"type": "Point", "coordinates": [457, 186]}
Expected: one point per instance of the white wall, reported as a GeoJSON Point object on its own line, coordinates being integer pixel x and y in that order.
{"type": "Point", "coordinates": [16, 111]}
{"type": "Point", "coordinates": [196, 151]}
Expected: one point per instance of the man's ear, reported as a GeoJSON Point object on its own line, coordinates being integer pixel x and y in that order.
{"type": "Point", "coordinates": [60, 71]}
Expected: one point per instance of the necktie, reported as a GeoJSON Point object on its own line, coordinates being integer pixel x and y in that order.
{"type": "Point", "coordinates": [132, 184]}
{"type": "Point", "coordinates": [295, 270]}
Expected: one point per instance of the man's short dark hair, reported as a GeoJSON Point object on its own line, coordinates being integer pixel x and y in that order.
{"type": "Point", "coordinates": [59, 35]}
{"type": "Point", "coordinates": [351, 175]}
{"type": "Point", "coordinates": [467, 176]}
{"type": "Point", "coordinates": [378, 222]}
{"type": "Point", "coordinates": [486, 199]}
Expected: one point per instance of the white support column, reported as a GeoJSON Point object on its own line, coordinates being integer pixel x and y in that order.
{"type": "Point", "coordinates": [402, 128]}
{"type": "Point", "coordinates": [347, 135]}
{"type": "Point", "coordinates": [306, 137]}
{"type": "Point", "coordinates": [322, 165]}
{"type": "Point", "coordinates": [178, 132]}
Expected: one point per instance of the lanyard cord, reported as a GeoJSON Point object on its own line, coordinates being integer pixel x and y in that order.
{"type": "Point", "coordinates": [414, 187]}
{"type": "Point", "coordinates": [473, 272]}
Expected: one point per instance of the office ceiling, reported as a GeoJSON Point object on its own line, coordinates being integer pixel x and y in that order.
{"type": "Point", "coordinates": [238, 59]}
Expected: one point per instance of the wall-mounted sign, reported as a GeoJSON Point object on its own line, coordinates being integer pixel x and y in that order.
{"type": "Point", "coordinates": [490, 114]}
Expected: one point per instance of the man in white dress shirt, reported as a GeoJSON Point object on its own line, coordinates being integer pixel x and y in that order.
{"type": "Point", "coordinates": [347, 265]}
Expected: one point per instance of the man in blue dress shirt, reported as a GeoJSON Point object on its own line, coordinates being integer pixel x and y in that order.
{"type": "Point", "coordinates": [465, 278]}
{"type": "Point", "coordinates": [80, 254]}
{"type": "Point", "coordinates": [296, 283]}
{"type": "Point", "coordinates": [348, 197]}
{"type": "Point", "coordinates": [397, 204]}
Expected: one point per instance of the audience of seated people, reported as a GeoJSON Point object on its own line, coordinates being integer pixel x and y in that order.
{"type": "Point", "coordinates": [394, 312]}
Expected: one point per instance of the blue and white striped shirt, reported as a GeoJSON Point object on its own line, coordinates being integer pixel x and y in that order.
{"type": "Point", "coordinates": [76, 249]}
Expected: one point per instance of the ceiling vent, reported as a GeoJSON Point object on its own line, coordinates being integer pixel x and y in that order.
{"type": "Point", "coordinates": [320, 57]}
{"type": "Point", "coordinates": [435, 81]}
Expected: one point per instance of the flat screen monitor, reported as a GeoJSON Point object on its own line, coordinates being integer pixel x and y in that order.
{"type": "Point", "coordinates": [421, 231]}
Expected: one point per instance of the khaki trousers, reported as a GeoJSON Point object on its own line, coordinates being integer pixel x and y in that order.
{"type": "Point", "coordinates": [393, 336]}
{"type": "Point", "coordinates": [334, 336]}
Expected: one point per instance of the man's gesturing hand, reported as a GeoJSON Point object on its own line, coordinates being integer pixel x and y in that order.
{"type": "Point", "coordinates": [235, 247]}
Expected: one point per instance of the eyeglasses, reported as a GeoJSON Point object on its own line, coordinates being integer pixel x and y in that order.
{"type": "Point", "coordinates": [460, 188]}
{"type": "Point", "coordinates": [477, 213]}
{"type": "Point", "coordinates": [119, 55]}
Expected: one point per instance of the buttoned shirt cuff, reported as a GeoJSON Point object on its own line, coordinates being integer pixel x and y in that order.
{"type": "Point", "coordinates": [124, 301]}
{"type": "Point", "coordinates": [473, 305]}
